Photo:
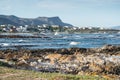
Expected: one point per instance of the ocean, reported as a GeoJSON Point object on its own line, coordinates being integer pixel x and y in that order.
{"type": "Point", "coordinates": [61, 40]}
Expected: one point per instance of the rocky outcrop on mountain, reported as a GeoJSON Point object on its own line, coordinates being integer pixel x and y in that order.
{"type": "Point", "coordinates": [17, 21]}
{"type": "Point", "coordinates": [104, 60]}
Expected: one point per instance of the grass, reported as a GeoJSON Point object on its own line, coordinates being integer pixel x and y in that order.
{"type": "Point", "coordinates": [14, 74]}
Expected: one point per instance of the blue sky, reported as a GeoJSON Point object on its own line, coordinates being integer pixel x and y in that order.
{"type": "Point", "coordinates": [100, 13]}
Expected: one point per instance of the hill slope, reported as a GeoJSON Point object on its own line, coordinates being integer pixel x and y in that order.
{"type": "Point", "coordinates": [116, 27]}
{"type": "Point", "coordinates": [17, 21]}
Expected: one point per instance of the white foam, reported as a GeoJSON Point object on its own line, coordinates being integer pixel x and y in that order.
{"type": "Point", "coordinates": [119, 32]}
{"type": "Point", "coordinates": [22, 40]}
{"type": "Point", "coordinates": [110, 35]}
{"type": "Point", "coordinates": [74, 43]}
{"type": "Point", "coordinates": [56, 33]}
{"type": "Point", "coordinates": [5, 44]}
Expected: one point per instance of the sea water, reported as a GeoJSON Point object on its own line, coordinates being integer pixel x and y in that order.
{"type": "Point", "coordinates": [91, 40]}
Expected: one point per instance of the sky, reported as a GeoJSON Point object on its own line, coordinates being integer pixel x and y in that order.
{"type": "Point", "coordinates": [81, 13]}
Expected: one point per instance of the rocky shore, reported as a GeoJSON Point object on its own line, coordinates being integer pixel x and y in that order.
{"type": "Point", "coordinates": [104, 60]}
{"type": "Point", "coordinates": [22, 36]}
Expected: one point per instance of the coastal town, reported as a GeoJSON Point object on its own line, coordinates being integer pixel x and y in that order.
{"type": "Point", "coordinates": [45, 28]}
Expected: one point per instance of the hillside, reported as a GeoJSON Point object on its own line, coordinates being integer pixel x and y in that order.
{"type": "Point", "coordinates": [17, 21]}
{"type": "Point", "coordinates": [116, 27]}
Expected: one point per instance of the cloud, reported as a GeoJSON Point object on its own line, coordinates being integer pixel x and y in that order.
{"type": "Point", "coordinates": [98, 1]}
{"type": "Point", "coordinates": [73, 4]}
{"type": "Point", "coordinates": [6, 8]}
{"type": "Point", "coordinates": [5, 5]}
{"type": "Point", "coordinates": [47, 4]}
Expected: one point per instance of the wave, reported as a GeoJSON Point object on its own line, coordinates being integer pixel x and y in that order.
{"type": "Point", "coordinates": [74, 43]}
{"type": "Point", "coordinates": [5, 44]}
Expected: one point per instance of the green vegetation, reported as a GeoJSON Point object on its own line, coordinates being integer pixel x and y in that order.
{"type": "Point", "coordinates": [13, 74]}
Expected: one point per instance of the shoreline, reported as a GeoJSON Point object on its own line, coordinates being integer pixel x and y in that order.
{"type": "Point", "coordinates": [22, 36]}
{"type": "Point", "coordinates": [104, 60]}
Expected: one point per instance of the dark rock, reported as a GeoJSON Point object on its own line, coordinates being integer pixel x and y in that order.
{"type": "Point", "coordinates": [74, 60]}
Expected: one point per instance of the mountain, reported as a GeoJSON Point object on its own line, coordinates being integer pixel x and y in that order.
{"type": "Point", "coordinates": [17, 21]}
{"type": "Point", "coordinates": [116, 27]}
{"type": "Point", "coordinates": [6, 21]}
